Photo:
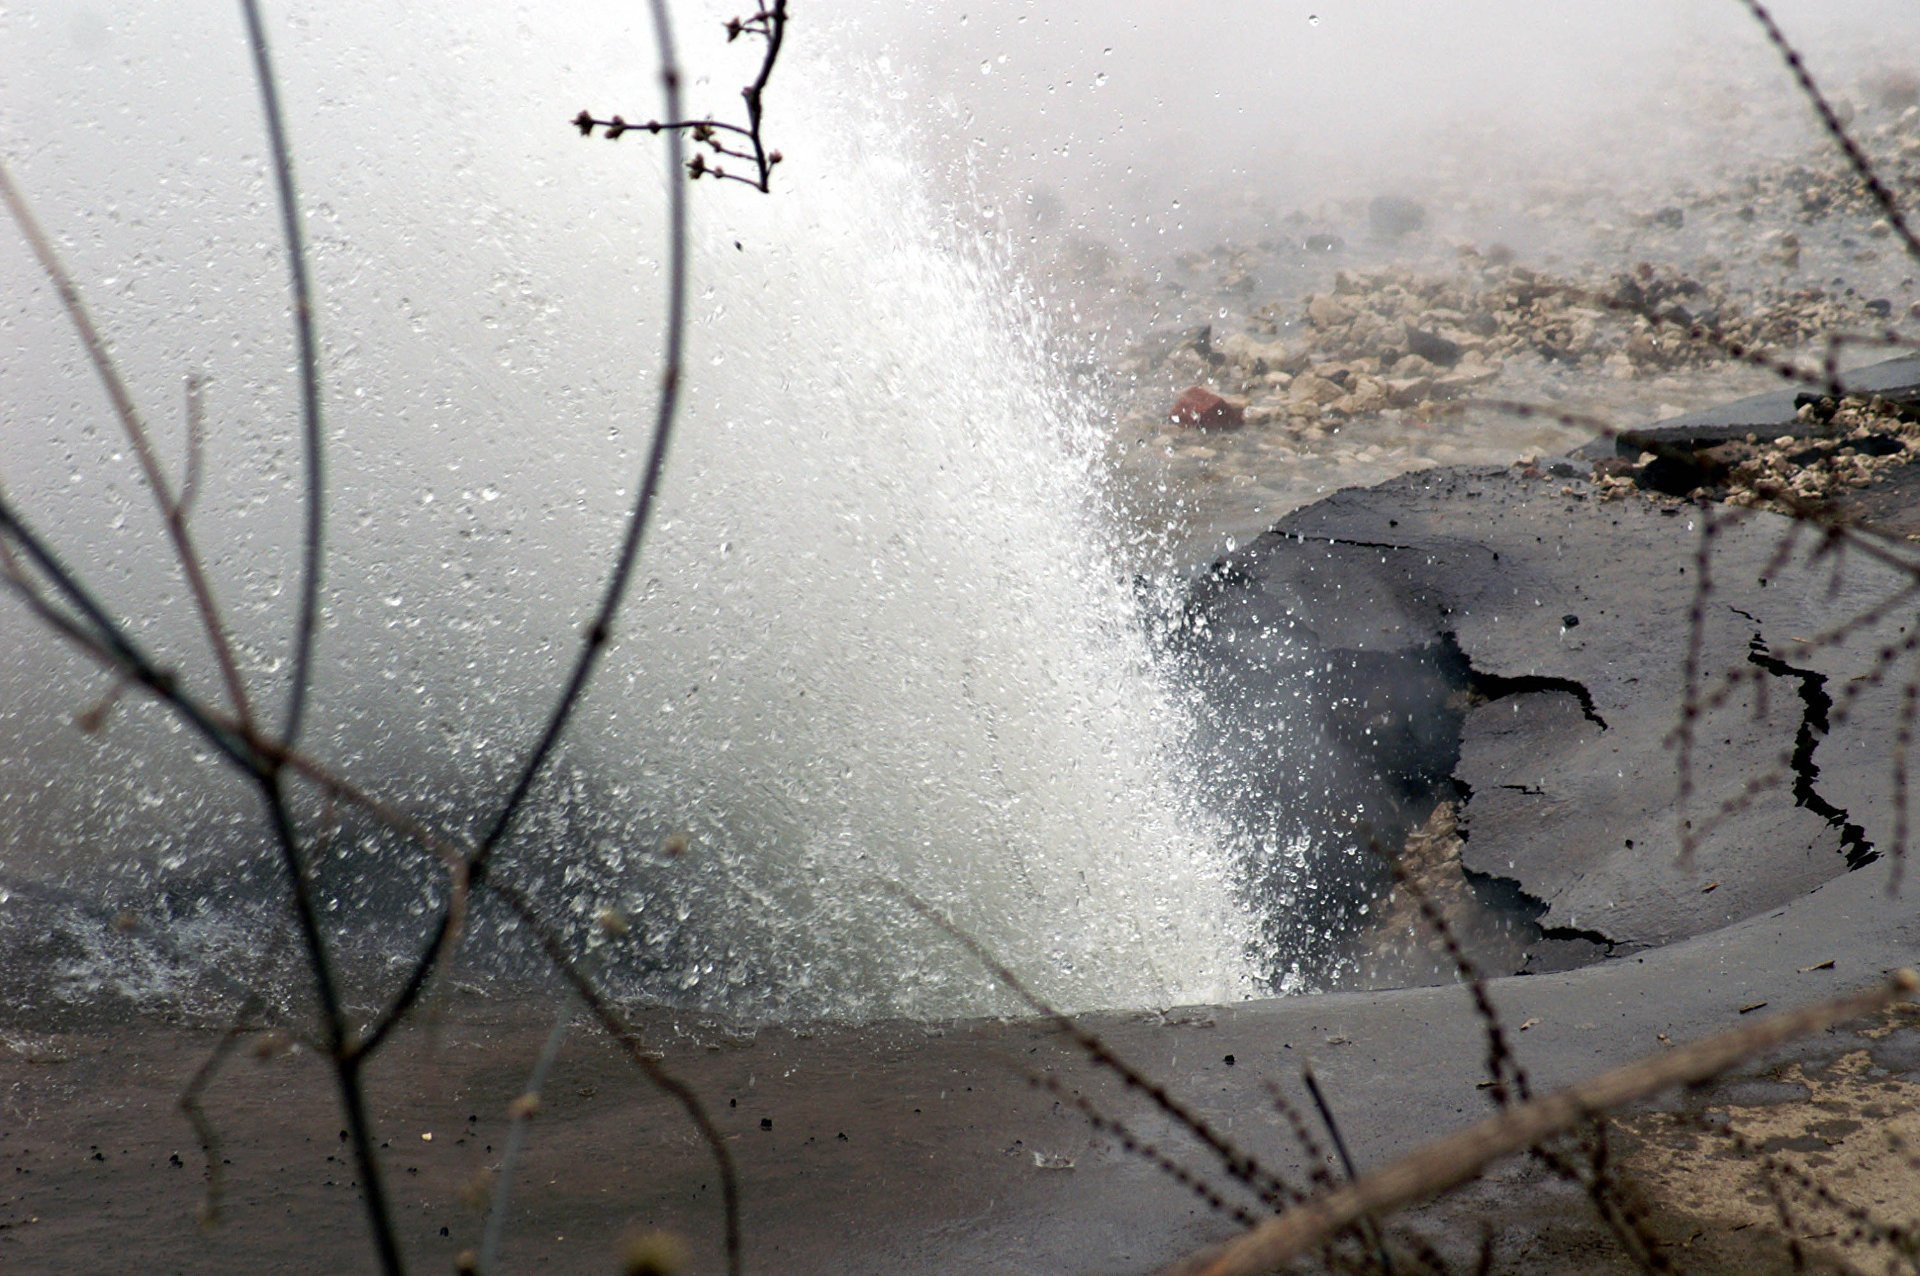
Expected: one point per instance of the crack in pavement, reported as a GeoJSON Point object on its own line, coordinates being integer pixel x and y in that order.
{"type": "Point", "coordinates": [1494, 686]}
{"type": "Point", "coordinates": [1498, 686]}
{"type": "Point", "coordinates": [1814, 724]}
{"type": "Point", "coordinates": [1535, 906]}
{"type": "Point", "coordinates": [1580, 932]}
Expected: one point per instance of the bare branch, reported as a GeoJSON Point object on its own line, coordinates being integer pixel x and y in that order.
{"type": "Point", "coordinates": [111, 636]}
{"type": "Point", "coordinates": [1269, 1187]}
{"type": "Point", "coordinates": [1836, 130]}
{"type": "Point", "coordinates": [346, 1061]}
{"type": "Point", "coordinates": [1367, 1227]}
{"type": "Point", "coordinates": [182, 506]}
{"type": "Point", "coordinates": [663, 1080]}
{"type": "Point", "coordinates": [599, 632]}
{"type": "Point", "coordinates": [1448, 1162]}
{"type": "Point", "coordinates": [295, 243]}
{"type": "Point", "coordinates": [524, 1107]}
{"type": "Point", "coordinates": [138, 437]}
{"type": "Point", "coordinates": [769, 24]}
{"type": "Point", "coordinates": [1131, 1143]}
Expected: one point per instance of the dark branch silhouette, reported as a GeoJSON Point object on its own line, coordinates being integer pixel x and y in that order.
{"type": "Point", "coordinates": [770, 25]}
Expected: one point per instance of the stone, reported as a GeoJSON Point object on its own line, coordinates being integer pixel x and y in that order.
{"type": "Point", "coordinates": [1392, 341]}
{"type": "Point", "coordinates": [1406, 391]}
{"type": "Point", "coordinates": [1328, 312]}
{"type": "Point", "coordinates": [1254, 358]}
{"type": "Point", "coordinates": [1367, 397]}
{"type": "Point", "coordinates": [1202, 408]}
{"type": "Point", "coordinates": [1466, 377]}
{"type": "Point", "coordinates": [1893, 88]}
{"type": "Point", "coordinates": [1392, 216]}
{"type": "Point", "coordinates": [1433, 347]}
{"type": "Point", "coordinates": [1312, 388]}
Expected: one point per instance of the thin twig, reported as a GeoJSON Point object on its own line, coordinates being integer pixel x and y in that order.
{"type": "Point", "coordinates": [1316, 1155]}
{"type": "Point", "coordinates": [1690, 684]}
{"type": "Point", "coordinates": [1862, 166]}
{"type": "Point", "coordinates": [770, 24]}
{"type": "Point", "coordinates": [1448, 1162]}
{"type": "Point", "coordinates": [523, 1109]}
{"type": "Point", "coordinates": [346, 1061]}
{"type": "Point", "coordinates": [1132, 1144]}
{"type": "Point", "coordinates": [114, 640]}
{"type": "Point", "coordinates": [173, 515]}
{"type": "Point", "coordinates": [207, 1134]}
{"type": "Point", "coordinates": [295, 244]}
{"type": "Point", "coordinates": [1503, 1065]}
{"type": "Point", "coordinates": [182, 507]}
{"type": "Point", "coordinates": [135, 667]}
{"type": "Point", "coordinates": [1367, 1228]}
{"type": "Point", "coordinates": [662, 1080]}
{"type": "Point", "coordinates": [599, 631]}
{"type": "Point", "coordinates": [1268, 1186]}
{"type": "Point", "coordinates": [203, 1128]}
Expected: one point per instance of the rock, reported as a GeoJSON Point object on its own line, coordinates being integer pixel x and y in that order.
{"type": "Point", "coordinates": [1392, 216]}
{"type": "Point", "coordinates": [1328, 312]}
{"type": "Point", "coordinates": [1671, 217]}
{"type": "Point", "coordinates": [1407, 391]}
{"type": "Point", "coordinates": [1367, 397]}
{"type": "Point", "coordinates": [1392, 342]}
{"type": "Point", "coordinates": [1252, 357]}
{"type": "Point", "coordinates": [1202, 408]}
{"type": "Point", "coordinates": [1365, 331]}
{"type": "Point", "coordinates": [1312, 388]}
{"type": "Point", "coordinates": [1433, 347]}
{"type": "Point", "coordinates": [1893, 89]}
{"type": "Point", "coordinates": [1678, 472]}
{"type": "Point", "coordinates": [1466, 377]}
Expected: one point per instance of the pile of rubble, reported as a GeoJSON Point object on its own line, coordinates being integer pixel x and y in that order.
{"type": "Point", "coordinates": [1396, 340]}
{"type": "Point", "coordinates": [1826, 185]}
{"type": "Point", "coordinates": [1839, 447]}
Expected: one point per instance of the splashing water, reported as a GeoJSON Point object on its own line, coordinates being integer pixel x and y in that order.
{"type": "Point", "coordinates": [877, 637]}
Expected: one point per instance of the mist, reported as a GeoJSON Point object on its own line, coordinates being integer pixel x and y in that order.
{"type": "Point", "coordinates": [1145, 123]}
{"type": "Point", "coordinates": [875, 424]}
